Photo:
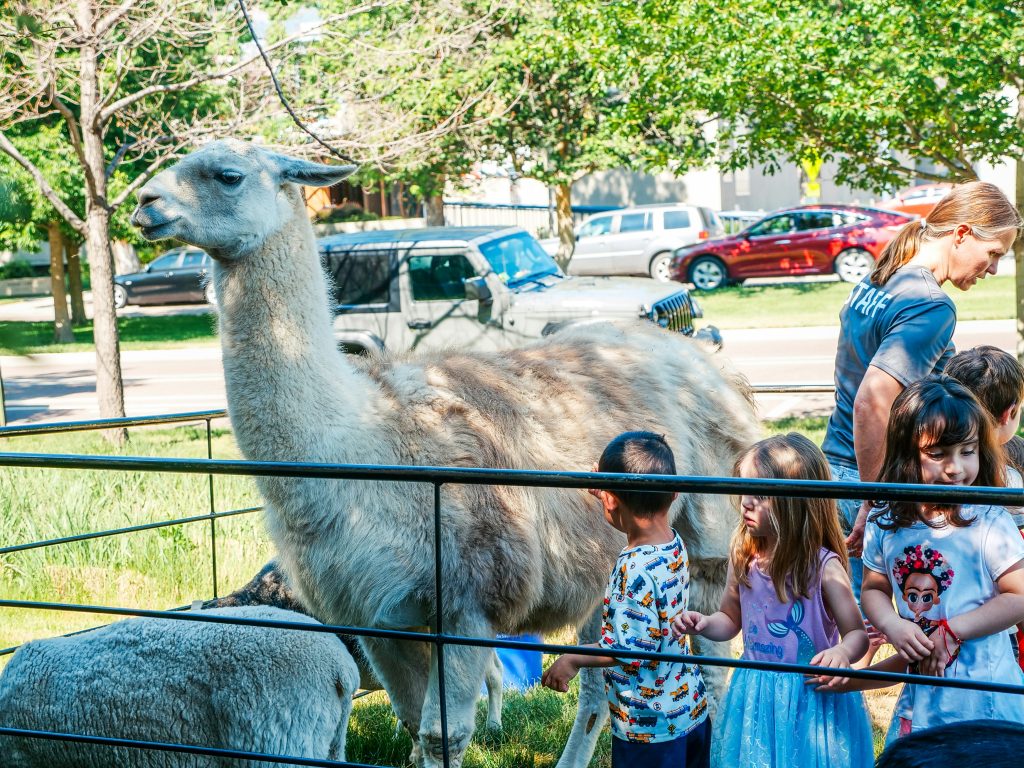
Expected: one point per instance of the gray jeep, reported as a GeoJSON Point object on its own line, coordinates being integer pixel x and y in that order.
{"type": "Point", "coordinates": [480, 288]}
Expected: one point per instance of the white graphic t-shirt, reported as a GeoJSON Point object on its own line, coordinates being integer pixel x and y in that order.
{"type": "Point", "coordinates": [939, 573]}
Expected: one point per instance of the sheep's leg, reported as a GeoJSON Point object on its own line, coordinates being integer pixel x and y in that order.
{"type": "Point", "coordinates": [465, 667]}
{"type": "Point", "coordinates": [403, 669]}
{"type": "Point", "coordinates": [495, 679]}
{"type": "Point", "coordinates": [592, 711]}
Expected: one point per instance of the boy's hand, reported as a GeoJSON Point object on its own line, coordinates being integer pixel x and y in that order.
{"type": "Point", "coordinates": [830, 657]}
{"type": "Point", "coordinates": [909, 640]}
{"type": "Point", "coordinates": [558, 675]}
{"type": "Point", "coordinates": [688, 623]}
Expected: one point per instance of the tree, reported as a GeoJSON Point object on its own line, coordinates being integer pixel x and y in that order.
{"type": "Point", "coordinates": [889, 91]}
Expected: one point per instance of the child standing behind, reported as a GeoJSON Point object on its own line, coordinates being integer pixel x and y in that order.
{"type": "Point", "coordinates": [957, 572]}
{"type": "Point", "coordinates": [789, 592]}
{"type": "Point", "coordinates": [659, 713]}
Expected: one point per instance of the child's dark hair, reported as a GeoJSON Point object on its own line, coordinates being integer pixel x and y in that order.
{"type": "Point", "coordinates": [640, 453]}
{"type": "Point", "coordinates": [992, 374]}
{"type": "Point", "coordinates": [937, 410]}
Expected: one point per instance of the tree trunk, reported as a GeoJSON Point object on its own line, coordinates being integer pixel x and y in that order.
{"type": "Point", "coordinates": [109, 385]}
{"type": "Point", "coordinates": [75, 283]}
{"type": "Point", "coordinates": [563, 222]}
{"type": "Point", "coordinates": [1018, 259]}
{"type": "Point", "coordinates": [61, 319]}
{"type": "Point", "coordinates": [435, 210]}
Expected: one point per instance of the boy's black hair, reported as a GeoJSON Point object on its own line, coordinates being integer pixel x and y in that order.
{"type": "Point", "coordinates": [994, 376]}
{"type": "Point", "coordinates": [640, 453]}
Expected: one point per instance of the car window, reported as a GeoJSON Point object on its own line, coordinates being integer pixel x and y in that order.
{"type": "Point", "coordinates": [194, 260]}
{"type": "Point", "coordinates": [517, 258]}
{"type": "Point", "coordinates": [676, 219]}
{"type": "Point", "coordinates": [776, 225]}
{"type": "Point", "coordinates": [845, 218]}
{"type": "Point", "coordinates": [635, 222]}
{"type": "Point", "coordinates": [439, 277]}
{"type": "Point", "coordinates": [602, 225]}
{"type": "Point", "coordinates": [813, 220]}
{"type": "Point", "coordinates": [167, 261]}
{"type": "Point", "coordinates": [360, 277]}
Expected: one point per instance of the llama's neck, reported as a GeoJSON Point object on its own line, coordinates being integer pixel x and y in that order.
{"type": "Point", "coordinates": [286, 380]}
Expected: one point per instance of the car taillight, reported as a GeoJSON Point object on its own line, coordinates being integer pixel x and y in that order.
{"type": "Point", "coordinates": [703, 235]}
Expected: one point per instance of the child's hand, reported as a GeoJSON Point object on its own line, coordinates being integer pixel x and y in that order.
{"type": "Point", "coordinates": [688, 623]}
{"type": "Point", "coordinates": [830, 657]}
{"type": "Point", "coordinates": [910, 641]}
{"type": "Point", "coordinates": [558, 675]}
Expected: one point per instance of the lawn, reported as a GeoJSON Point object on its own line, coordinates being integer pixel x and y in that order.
{"type": "Point", "coordinates": [156, 332]}
{"type": "Point", "coordinates": [169, 567]}
{"type": "Point", "coordinates": [807, 304]}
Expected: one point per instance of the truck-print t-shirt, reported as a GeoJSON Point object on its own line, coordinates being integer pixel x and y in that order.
{"type": "Point", "coordinates": [650, 701]}
{"type": "Point", "coordinates": [939, 573]}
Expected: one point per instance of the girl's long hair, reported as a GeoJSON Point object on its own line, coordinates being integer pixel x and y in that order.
{"type": "Point", "coordinates": [981, 205]}
{"type": "Point", "coordinates": [937, 410]}
{"type": "Point", "coordinates": [802, 526]}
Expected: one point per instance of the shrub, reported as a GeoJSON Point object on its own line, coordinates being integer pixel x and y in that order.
{"type": "Point", "coordinates": [16, 268]}
{"type": "Point", "coordinates": [345, 212]}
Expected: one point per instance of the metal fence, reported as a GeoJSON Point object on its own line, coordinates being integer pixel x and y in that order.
{"type": "Point", "coordinates": [436, 477]}
{"type": "Point", "coordinates": [536, 219]}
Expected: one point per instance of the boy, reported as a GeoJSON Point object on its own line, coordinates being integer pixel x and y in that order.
{"type": "Point", "coordinates": [658, 709]}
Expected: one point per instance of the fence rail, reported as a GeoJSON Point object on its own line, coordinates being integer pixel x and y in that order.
{"type": "Point", "coordinates": [438, 477]}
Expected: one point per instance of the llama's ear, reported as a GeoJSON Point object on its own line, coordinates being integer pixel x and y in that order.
{"type": "Point", "coordinates": [312, 174]}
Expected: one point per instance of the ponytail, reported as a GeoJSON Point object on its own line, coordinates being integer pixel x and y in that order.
{"type": "Point", "coordinates": [978, 203]}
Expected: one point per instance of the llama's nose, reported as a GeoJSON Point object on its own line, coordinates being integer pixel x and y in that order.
{"type": "Point", "coordinates": [147, 197]}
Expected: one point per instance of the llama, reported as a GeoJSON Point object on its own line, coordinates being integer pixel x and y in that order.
{"type": "Point", "coordinates": [270, 587]}
{"type": "Point", "coordinates": [514, 559]}
{"type": "Point", "coordinates": [257, 689]}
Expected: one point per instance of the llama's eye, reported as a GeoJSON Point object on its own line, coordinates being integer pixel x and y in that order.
{"type": "Point", "coordinates": [231, 178]}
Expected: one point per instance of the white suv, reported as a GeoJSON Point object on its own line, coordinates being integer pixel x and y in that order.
{"type": "Point", "coordinates": [638, 241]}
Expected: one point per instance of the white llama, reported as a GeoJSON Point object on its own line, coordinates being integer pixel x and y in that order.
{"type": "Point", "coordinates": [514, 559]}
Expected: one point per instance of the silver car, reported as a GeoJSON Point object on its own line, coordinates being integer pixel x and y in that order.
{"type": "Point", "coordinates": [481, 288]}
{"type": "Point", "coordinates": [638, 241]}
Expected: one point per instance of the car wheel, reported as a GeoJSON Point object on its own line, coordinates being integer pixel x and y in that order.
{"type": "Point", "coordinates": [210, 294]}
{"type": "Point", "coordinates": [708, 273]}
{"type": "Point", "coordinates": [120, 296]}
{"type": "Point", "coordinates": [661, 267]}
{"type": "Point", "coordinates": [854, 264]}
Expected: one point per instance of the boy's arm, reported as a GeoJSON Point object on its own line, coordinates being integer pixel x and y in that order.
{"type": "Point", "coordinates": [566, 667]}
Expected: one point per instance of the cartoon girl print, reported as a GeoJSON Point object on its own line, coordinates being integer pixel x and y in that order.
{"type": "Point", "coordinates": [922, 575]}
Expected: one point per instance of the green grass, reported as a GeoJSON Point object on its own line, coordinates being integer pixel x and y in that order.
{"type": "Point", "coordinates": [809, 304]}
{"type": "Point", "coordinates": [157, 332]}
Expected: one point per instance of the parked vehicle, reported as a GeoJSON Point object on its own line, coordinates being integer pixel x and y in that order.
{"type": "Point", "coordinates": [809, 240]}
{"type": "Point", "coordinates": [737, 221]}
{"type": "Point", "coordinates": [478, 288]}
{"type": "Point", "coordinates": [637, 241]}
{"type": "Point", "coordinates": [181, 275]}
{"type": "Point", "coordinates": [917, 200]}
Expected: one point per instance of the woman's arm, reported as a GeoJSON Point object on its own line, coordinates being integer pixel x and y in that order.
{"type": "Point", "coordinates": [905, 636]}
{"type": "Point", "coordinates": [725, 624]}
{"type": "Point", "coordinates": [837, 594]}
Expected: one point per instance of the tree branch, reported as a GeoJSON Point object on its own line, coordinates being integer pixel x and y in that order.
{"type": "Point", "coordinates": [73, 127]}
{"type": "Point", "coordinates": [112, 18]}
{"type": "Point", "coordinates": [62, 208]}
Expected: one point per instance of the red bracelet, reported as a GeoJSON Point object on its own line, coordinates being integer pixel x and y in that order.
{"type": "Point", "coordinates": [946, 629]}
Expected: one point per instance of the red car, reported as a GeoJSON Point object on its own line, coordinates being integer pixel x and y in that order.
{"type": "Point", "coordinates": [809, 240]}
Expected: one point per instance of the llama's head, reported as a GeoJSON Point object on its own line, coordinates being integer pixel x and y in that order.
{"type": "Point", "coordinates": [228, 197]}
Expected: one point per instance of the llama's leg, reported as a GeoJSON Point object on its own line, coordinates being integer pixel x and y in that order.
{"type": "Point", "coordinates": [403, 669]}
{"type": "Point", "coordinates": [465, 667]}
{"type": "Point", "coordinates": [592, 712]}
{"type": "Point", "coordinates": [495, 679]}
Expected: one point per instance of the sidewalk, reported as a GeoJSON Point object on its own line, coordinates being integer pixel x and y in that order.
{"type": "Point", "coordinates": [40, 309]}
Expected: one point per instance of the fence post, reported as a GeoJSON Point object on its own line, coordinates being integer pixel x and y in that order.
{"type": "Point", "coordinates": [438, 624]}
{"type": "Point", "coordinates": [213, 520]}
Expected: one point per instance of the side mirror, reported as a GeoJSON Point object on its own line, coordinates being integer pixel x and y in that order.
{"type": "Point", "coordinates": [477, 290]}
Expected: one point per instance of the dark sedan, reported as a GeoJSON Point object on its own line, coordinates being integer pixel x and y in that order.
{"type": "Point", "coordinates": [178, 276]}
{"type": "Point", "coordinates": [809, 240]}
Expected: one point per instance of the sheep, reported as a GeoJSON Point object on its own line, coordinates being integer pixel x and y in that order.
{"type": "Point", "coordinates": [513, 559]}
{"type": "Point", "coordinates": [270, 587]}
{"type": "Point", "coordinates": [257, 689]}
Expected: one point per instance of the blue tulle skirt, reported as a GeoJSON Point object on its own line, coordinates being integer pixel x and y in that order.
{"type": "Point", "coordinates": [774, 720]}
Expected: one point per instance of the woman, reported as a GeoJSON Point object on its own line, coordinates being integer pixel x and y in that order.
{"type": "Point", "coordinates": [897, 327]}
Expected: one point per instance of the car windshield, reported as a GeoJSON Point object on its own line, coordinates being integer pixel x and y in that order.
{"type": "Point", "coordinates": [518, 258]}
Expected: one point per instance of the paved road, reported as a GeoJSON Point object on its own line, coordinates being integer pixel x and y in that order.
{"type": "Point", "coordinates": [46, 388]}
